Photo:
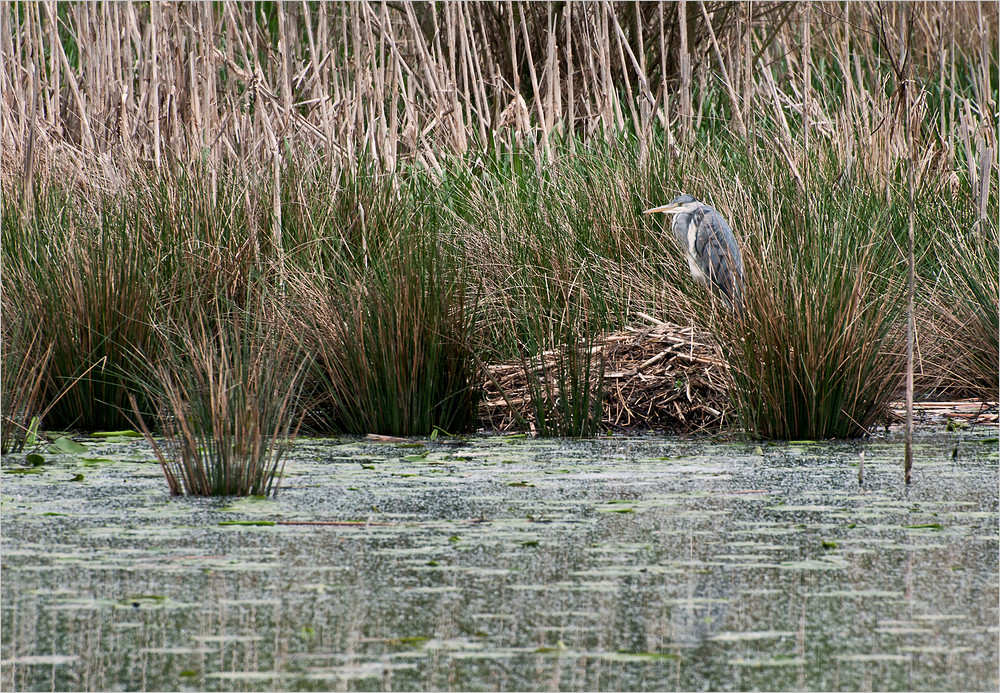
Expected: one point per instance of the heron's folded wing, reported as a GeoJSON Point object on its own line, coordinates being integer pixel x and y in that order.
{"type": "Point", "coordinates": [718, 255]}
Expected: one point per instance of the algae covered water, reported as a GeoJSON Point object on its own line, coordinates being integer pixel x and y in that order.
{"type": "Point", "coordinates": [507, 563]}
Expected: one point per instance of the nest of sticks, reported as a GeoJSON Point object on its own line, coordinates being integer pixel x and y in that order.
{"type": "Point", "coordinates": [660, 376]}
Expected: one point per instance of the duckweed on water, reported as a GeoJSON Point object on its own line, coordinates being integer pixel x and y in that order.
{"type": "Point", "coordinates": [473, 567]}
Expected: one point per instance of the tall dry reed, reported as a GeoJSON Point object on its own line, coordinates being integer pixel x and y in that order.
{"type": "Point", "coordinates": [101, 89]}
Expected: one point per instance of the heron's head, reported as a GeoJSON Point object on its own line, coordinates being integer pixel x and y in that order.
{"type": "Point", "coordinates": [682, 203]}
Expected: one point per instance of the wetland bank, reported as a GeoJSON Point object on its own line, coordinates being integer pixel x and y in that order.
{"type": "Point", "coordinates": [238, 239]}
{"type": "Point", "coordinates": [622, 563]}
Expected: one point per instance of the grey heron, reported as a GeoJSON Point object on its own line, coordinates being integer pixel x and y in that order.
{"type": "Point", "coordinates": [709, 246]}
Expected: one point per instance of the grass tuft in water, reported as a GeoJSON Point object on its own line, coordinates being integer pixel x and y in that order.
{"type": "Point", "coordinates": [227, 397]}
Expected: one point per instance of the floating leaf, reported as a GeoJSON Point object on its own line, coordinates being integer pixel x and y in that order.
{"type": "Point", "coordinates": [777, 661]}
{"type": "Point", "coordinates": [560, 646]}
{"type": "Point", "coordinates": [68, 446]}
{"type": "Point", "coordinates": [35, 460]}
{"type": "Point", "coordinates": [93, 461]}
{"type": "Point", "coordinates": [649, 656]}
{"type": "Point", "coordinates": [129, 433]}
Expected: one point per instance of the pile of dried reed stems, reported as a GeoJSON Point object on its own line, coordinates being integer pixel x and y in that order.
{"type": "Point", "coordinates": [658, 376]}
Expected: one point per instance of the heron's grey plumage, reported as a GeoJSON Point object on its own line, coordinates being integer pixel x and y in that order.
{"type": "Point", "coordinates": [709, 245]}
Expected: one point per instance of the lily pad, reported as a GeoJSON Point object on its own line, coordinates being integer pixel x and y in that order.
{"type": "Point", "coordinates": [69, 446]}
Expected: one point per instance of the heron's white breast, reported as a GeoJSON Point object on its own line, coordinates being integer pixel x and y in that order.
{"type": "Point", "coordinates": [692, 252]}
{"type": "Point", "coordinates": [696, 271]}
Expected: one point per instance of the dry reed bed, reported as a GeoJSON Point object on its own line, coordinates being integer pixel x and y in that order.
{"type": "Point", "coordinates": [101, 89]}
{"type": "Point", "coordinates": [660, 376]}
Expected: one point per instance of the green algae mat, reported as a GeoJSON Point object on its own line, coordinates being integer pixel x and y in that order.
{"type": "Point", "coordinates": [506, 563]}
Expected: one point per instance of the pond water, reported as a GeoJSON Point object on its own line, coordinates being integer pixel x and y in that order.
{"type": "Point", "coordinates": [509, 563]}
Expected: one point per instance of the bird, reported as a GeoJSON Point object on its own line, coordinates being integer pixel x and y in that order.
{"type": "Point", "coordinates": [709, 245]}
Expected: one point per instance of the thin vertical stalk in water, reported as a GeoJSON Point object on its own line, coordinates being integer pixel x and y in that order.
{"type": "Point", "coordinates": [907, 70]}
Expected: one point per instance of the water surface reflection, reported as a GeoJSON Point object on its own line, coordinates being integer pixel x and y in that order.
{"type": "Point", "coordinates": [627, 564]}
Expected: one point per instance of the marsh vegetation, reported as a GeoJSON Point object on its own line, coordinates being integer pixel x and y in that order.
{"type": "Point", "coordinates": [349, 210]}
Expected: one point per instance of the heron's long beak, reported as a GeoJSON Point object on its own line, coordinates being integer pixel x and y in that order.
{"type": "Point", "coordinates": [663, 208]}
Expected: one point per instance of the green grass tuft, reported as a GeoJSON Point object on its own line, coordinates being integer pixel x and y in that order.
{"type": "Point", "coordinates": [817, 352]}
{"type": "Point", "coordinates": [226, 393]}
{"type": "Point", "coordinates": [389, 321]}
{"type": "Point", "coordinates": [86, 281]}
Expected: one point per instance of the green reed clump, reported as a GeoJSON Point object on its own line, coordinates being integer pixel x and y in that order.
{"type": "Point", "coordinates": [562, 360]}
{"type": "Point", "coordinates": [817, 352]}
{"type": "Point", "coordinates": [89, 284]}
{"type": "Point", "coordinates": [392, 348]}
{"type": "Point", "coordinates": [387, 310]}
{"type": "Point", "coordinates": [226, 398]}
